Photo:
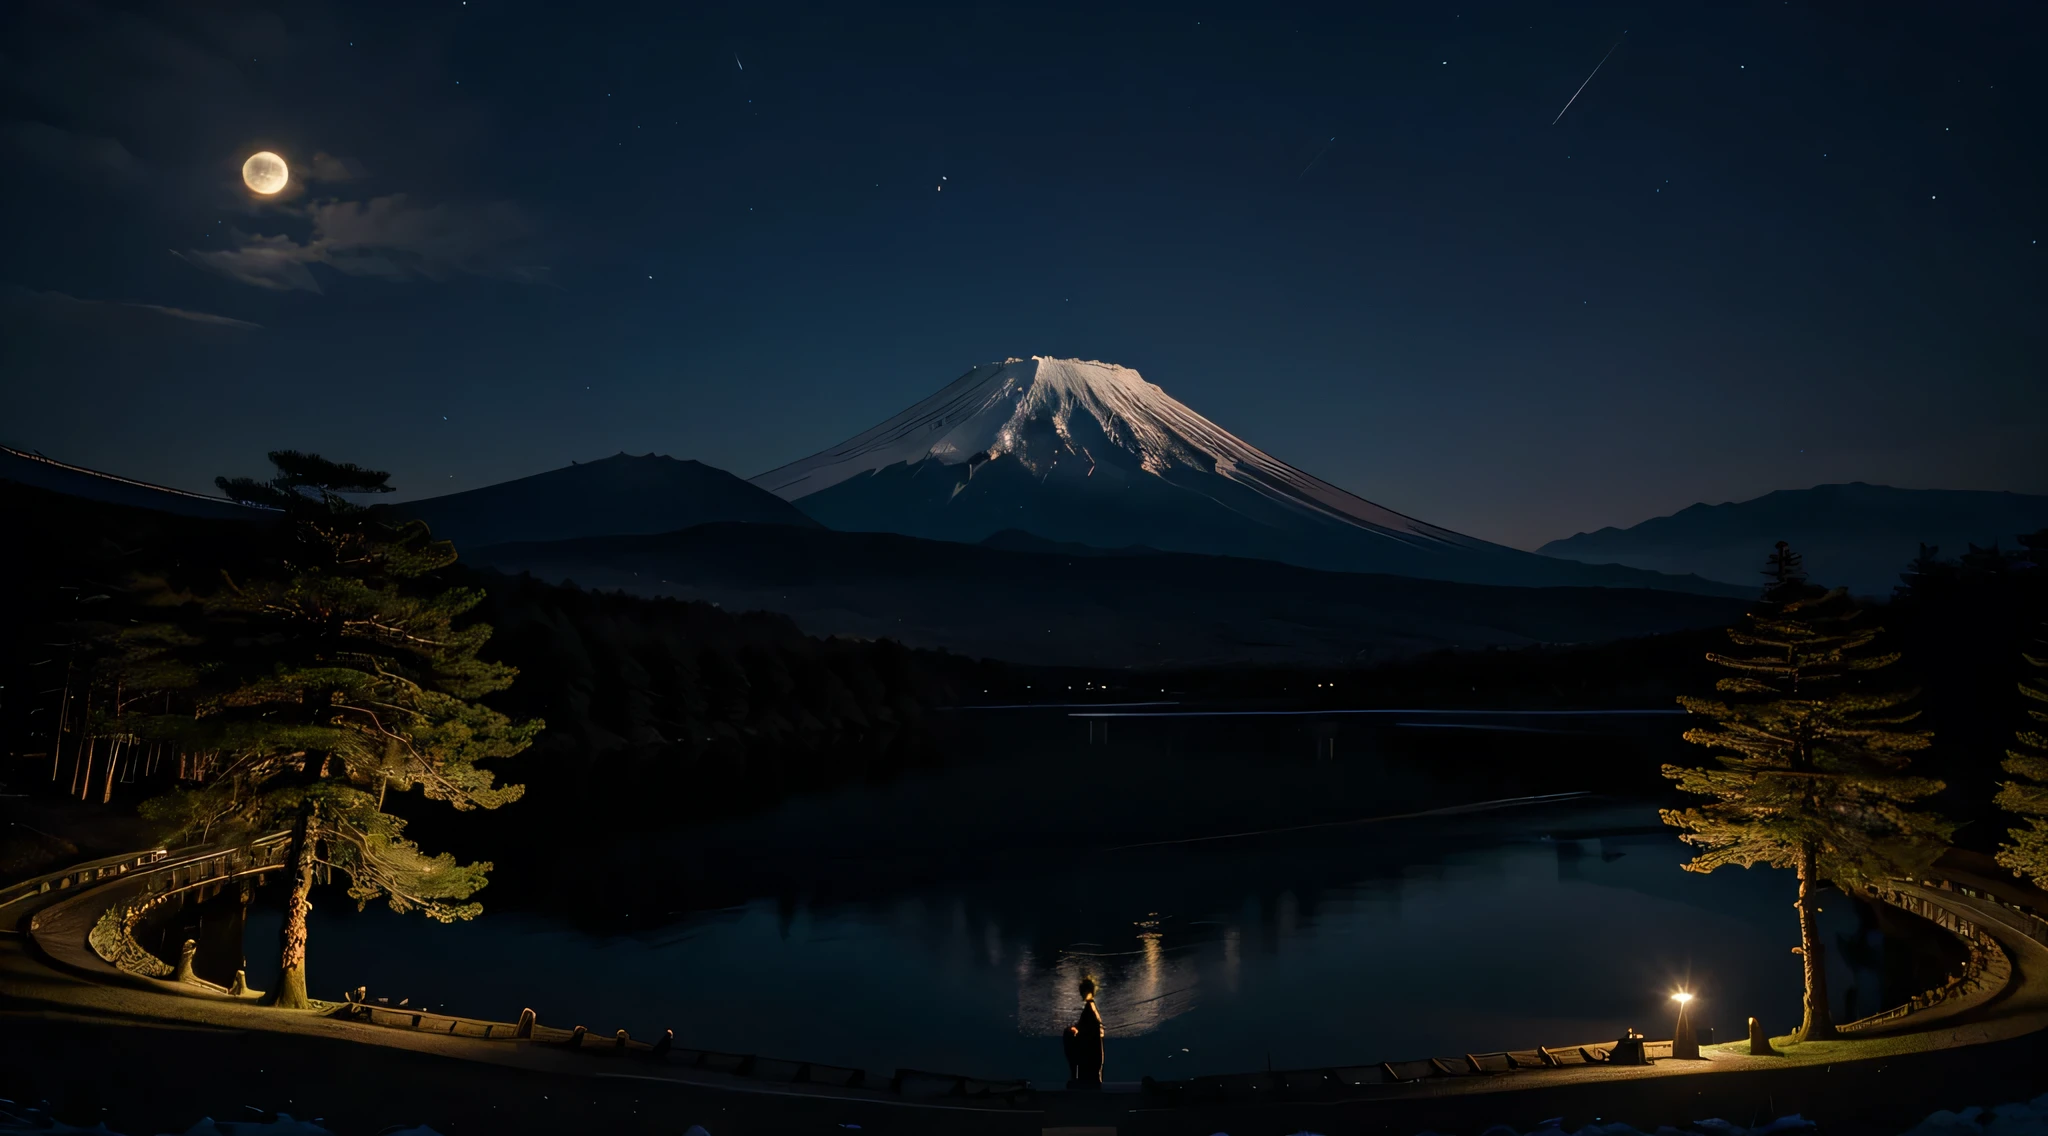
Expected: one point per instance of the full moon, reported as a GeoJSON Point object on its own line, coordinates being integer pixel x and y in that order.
{"type": "Point", "coordinates": [265, 173]}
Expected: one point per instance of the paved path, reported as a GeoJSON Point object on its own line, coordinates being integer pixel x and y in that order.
{"type": "Point", "coordinates": [52, 986]}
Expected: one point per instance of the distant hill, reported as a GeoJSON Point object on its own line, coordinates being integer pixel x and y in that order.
{"type": "Point", "coordinates": [1017, 540]}
{"type": "Point", "coordinates": [1857, 535]}
{"type": "Point", "coordinates": [1079, 451]}
{"type": "Point", "coordinates": [619, 495]}
{"type": "Point", "coordinates": [32, 469]}
{"type": "Point", "coordinates": [1096, 608]}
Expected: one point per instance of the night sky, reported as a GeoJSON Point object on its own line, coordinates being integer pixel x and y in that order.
{"type": "Point", "coordinates": [1769, 245]}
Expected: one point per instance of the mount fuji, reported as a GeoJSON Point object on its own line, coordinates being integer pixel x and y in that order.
{"type": "Point", "coordinates": [1089, 452]}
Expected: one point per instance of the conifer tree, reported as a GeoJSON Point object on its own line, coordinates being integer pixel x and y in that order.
{"type": "Point", "coordinates": [1810, 760]}
{"type": "Point", "coordinates": [1926, 573]}
{"type": "Point", "coordinates": [2027, 760]}
{"type": "Point", "coordinates": [336, 674]}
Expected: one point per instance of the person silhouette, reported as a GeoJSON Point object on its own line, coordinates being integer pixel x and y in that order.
{"type": "Point", "coordinates": [1084, 1039]}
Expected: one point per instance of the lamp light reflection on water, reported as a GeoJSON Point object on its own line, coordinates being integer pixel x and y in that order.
{"type": "Point", "coordinates": [1138, 989]}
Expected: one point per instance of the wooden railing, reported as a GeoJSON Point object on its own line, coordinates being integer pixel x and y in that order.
{"type": "Point", "coordinates": [912, 1083]}
{"type": "Point", "coordinates": [2026, 920]}
{"type": "Point", "coordinates": [78, 875]}
{"type": "Point", "coordinates": [1987, 969]}
{"type": "Point", "coordinates": [113, 935]}
{"type": "Point", "coordinates": [166, 874]}
{"type": "Point", "coordinates": [1340, 1080]}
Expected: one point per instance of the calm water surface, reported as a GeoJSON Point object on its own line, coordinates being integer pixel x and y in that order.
{"type": "Point", "coordinates": [942, 922]}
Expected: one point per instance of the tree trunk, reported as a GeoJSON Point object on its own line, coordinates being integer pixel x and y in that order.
{"type": "Point", "coordinates": [63, 722]}
{"type": "Point", "coordinates": [113, 762]}
{"type": "Point", "coordinates": [1816, 1023]}
{"type": "Point", "coordinates": [298, 869]}
{"type": "Point", "coordinates": [81, 770]}
{"type": "Point", "coordinates": [115, 747]}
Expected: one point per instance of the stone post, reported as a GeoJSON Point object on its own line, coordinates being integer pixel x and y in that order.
{"type": "Point", "coordinates": [576, 1036]}
{"type": "Point", "coordinates": [663, 1044]}
{"type": "Point", "coordinates": [183, 972]}
{"type": "Point", "coordinates": [526, 1020]}
{"type": "Point", "coordinates": [621, 1043]}
{"type": "Point", "coordinates": [241, 987]}
{"type": "Point", "coordinates": [1759, 1045]}
{"type": "Point", "coordinates": [1685, 1043]}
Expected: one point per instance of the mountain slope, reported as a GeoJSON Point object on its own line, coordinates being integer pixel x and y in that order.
{"type": "Point", "coordinates": [620, 494]}
{"type": "Point", "coordinates": [1857, 535]}
{"type": "Point", "coordinates": [1053, 607]}
{"type": "Point", "coordinates": [1088, 452]}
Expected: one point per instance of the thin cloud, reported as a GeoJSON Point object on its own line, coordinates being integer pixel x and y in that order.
{"type": "Point", "coordinates": [56, 306]}
{"type": "Point", "coordinates": [87, 158]}
{"type": "Point", "coordinates": [387, 238]}
{"type": "Point", "coordinates": [325, 167]}
{"type": "Point", "coordinates": [278, 263]}
{"type": "Point", "coordinates": [196, 317]}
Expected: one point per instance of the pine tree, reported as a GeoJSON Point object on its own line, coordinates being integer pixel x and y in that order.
{"type": "Point", "coordinates": [1811, 760]}
{"type": "Point", "coordinates": [1925, 574]}
{"type": "Point", "coordinates": [335, 675]}
{"type": "Point", "coordinates": [2027, 854]}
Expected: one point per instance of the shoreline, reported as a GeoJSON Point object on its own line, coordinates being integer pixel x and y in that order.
{"type": "Point", "coordinates": [150, 1041]}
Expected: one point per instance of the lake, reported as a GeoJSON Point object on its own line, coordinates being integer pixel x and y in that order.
{"type": "Point", "coordinates": [942, 921]}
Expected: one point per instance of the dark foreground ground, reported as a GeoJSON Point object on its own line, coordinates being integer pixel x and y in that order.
{"type": "Point", "coordinates": [140, 1079]}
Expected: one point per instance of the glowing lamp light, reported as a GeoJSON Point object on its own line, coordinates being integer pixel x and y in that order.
{"type": "Point", "coordinates": [1681, 997]}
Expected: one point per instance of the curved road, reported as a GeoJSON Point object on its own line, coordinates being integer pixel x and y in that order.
{"type": "Point", "coordinates": [151, 1047]}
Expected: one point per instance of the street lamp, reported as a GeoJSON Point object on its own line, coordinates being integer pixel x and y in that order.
{"type": "Point", "coordinates": [1684, 1042]}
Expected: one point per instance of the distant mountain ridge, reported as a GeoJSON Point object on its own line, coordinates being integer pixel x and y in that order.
{"type": "Point", "coordinates": [1015, 596]}
{"type": "Point", "coordinates": [619, 495]}
{"type": "Point", "coordinates": [1034, 602]}
{"type": "Point", "coordinates": [1856, 535]}
{"type": "Point", "coordinates": [1085, 452]}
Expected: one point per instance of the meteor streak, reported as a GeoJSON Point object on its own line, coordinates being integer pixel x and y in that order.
{"type": "Point", "coordinates": [1312, 161]}
{"type": "Point", "coordinates": [1589, 78]}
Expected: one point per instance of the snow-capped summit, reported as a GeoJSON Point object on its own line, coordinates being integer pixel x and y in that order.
{"type": "Point", "coordinates": [1078, 450]}
{"type": "Point", "coordinates": [1044, 412]}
